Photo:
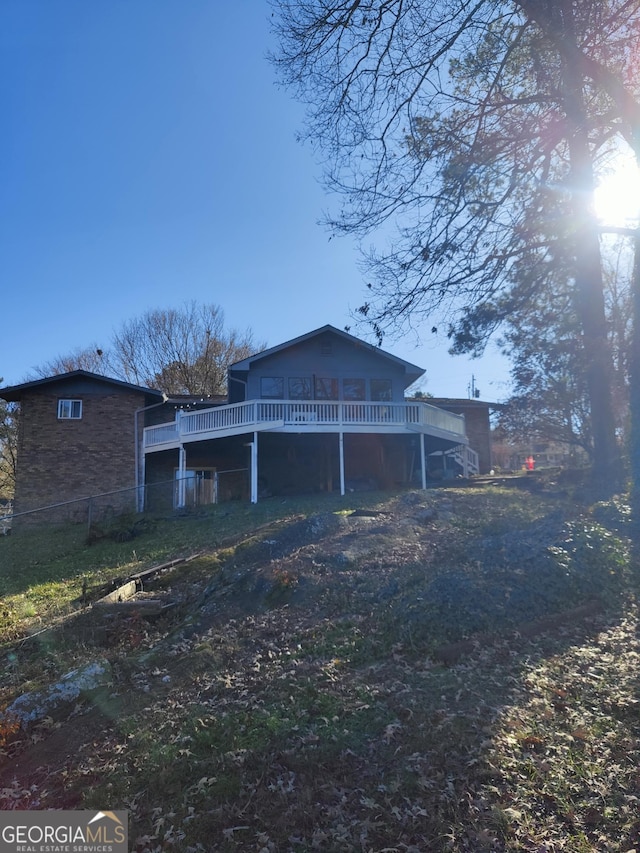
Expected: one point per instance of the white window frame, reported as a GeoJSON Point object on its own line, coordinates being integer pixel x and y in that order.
{"type": "Point", "coordinates": [277, 383]}
{"type": "Point", "coordinates": [69, 410]}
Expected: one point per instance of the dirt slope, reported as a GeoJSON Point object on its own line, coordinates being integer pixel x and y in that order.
{"type": "Point", "coordinates": [350, 617]}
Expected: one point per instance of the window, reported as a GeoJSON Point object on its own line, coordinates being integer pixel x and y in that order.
{"type": "Point", "coordinates": [326, 389]}
{"type": "Point", "coordinates": [272, 387]}
{"type": "Point", "coordinates": [381, 390]}
{"type": "Point", "coordinates": [70, 409]}
{"type": "Point", "coordinates": [299, 388]}
{"type": "Point", "coordinates": [353, 389]}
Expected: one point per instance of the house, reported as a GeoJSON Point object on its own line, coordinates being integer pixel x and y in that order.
{"type": "Point", "coordinates": [76, 438]}
{"type": "Point", "coordinates": [322, 412]}
{"type": "Point", "coordinates": [476, 415]}
{"type": "Point", "coordinates": [546, 454]}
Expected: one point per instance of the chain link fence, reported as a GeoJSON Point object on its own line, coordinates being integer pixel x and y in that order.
{"type": "Point", "coordinates": [6, 512]}
{"type": "Point", "coordinates": [165, 496]}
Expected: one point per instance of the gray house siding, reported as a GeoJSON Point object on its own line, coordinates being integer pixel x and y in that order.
{"type": "Point", "coordinates": [326, 369]}
{"type": "Point", "coordinates": [326, 364]}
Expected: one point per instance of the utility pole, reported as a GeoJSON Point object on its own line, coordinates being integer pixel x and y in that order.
{"type": "Point", "coordinates": [473, 392]}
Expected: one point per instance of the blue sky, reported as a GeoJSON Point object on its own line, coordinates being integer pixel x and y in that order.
{"type": "Point", "coordinates": [148, 159]}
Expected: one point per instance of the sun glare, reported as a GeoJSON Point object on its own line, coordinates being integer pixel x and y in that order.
{"type": "Point", "coordinates": [617, 196]}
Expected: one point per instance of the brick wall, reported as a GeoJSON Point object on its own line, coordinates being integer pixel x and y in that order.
{"type": "Point", "coordinates": [477, 425]}
{"type": "Point", "coordinates": [62, 460]}
{"type": "Point", "coordinates": [479, 434]}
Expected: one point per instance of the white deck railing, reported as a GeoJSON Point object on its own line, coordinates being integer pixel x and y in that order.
{"type": "Point", "coordinates": [242, 417]}
{"type": "Point", "coordinates": [468, 459]}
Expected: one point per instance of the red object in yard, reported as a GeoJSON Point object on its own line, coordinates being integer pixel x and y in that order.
{"type": "Point", "coordinates": [530, 463]}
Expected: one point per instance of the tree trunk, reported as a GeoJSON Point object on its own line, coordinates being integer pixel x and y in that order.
{"type": "Point", "coordinates": [591, 311]}
{"type": "Point", "coordinates": [634, 389]}
{"type": "Point", "coordinates": [588, 271]}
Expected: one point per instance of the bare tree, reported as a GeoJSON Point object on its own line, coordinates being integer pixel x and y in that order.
{"type": "Point", "coordinates": [177, 350]}
{"type": "Point", "coordinates": [471, 127]}
{"type": "Point", "coordinates": [9, 413]}
{"type": "Point", "coordinates": [91, 358]}
{"type": "Point", "coordinates": [180, 351]}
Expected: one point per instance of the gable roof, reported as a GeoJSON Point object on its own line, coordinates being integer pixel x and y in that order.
{"type": "Point", "coordinates": [14, 393]}
{"type": "Point", "coordinates": [412, 371]}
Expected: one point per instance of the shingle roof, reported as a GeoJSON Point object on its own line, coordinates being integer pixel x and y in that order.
{"type": "Point", "coordinates": [13, 393]}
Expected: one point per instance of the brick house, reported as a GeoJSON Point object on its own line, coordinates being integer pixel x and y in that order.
{"type": "Point", "coordinates": [76, 439]}
{"type": "Point", "coordinates": [322, 412]}
{"type": "Point", "coordinates": [477, 424]}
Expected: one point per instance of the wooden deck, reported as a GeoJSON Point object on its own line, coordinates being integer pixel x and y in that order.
{"type": "Point", "coordinates": [304, 416]}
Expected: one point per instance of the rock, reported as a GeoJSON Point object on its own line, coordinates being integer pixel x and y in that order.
{"type": "Point", "coordinates": [31, 707]}
{"type": "Point", "coordinates": [324, 524]}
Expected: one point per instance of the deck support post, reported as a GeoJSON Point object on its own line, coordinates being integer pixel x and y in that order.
{"type": "Point", "coordinates": [254, 469]}
{"type": "Point", "coordinates": [141, 491]}
{"type": "Point", "coordinates": [423, 462]}
{"type": "Point", "coordinates": [341, 451]}
{"type": "Point", "coordinates": [182, 476]}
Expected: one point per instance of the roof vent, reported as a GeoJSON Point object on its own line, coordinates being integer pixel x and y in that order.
{"type": "Point", "coordinates": [326, 348]}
